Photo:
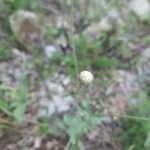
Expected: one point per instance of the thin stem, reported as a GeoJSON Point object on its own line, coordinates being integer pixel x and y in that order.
{"type": "Point", "coordinates": [68, 145]}
{"type": "Point", "coordinates": [4, 121]}
{"type": "Point", "coordinates": [62, 9]}
{"type": "Point", "coordinates": [79, 86]}
{"type": "Point", "coordinates": [71, 38]}
{"type": "Point", "coordinates": [133, 117]}
{"type": "Point", "coordinates": [76, 93]}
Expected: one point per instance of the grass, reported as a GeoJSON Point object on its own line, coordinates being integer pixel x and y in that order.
{"type": "Point", "coordinates": [136, 131]}
{"type": "Point", "coordinates": [16, 107]}
{"type": "Point", "coordinates": [5, 51]}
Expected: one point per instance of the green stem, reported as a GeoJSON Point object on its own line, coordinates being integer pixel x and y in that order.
{"type": "Point", "coordinates": [68, 145]}
{"type": "Point", "coordinates": [133, 117]}
{"type": "Point", "coordinates": [3, 121]}
{"type": "Point", "coordinates": [71, 38]}
{"type": "Point", "coordinates": [76, 93]}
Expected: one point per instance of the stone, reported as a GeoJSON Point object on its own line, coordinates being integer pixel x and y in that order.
{"type": "Point", "coordinates": [115, 17]}
{"type": "Point", "coordinates": [133, 102]}
{"type": "Point", "coordinates": [117, 104]}
{"type": "Point", "coordinates": [105, 24]}
{"type": "Point", "coordinates": [66, 81]}
{"type": "Point", "coordinates": [113, 13]}
{"type": "Point", "coordinates": [24, 25]}
{"type": "Point", "coordinates": [64, 105]}
{"type": "Point", "coordinates": [58, 105]}
{"type": "Point", "coordinates": [54, 88]}
{"type": "Point", "coordinates": [144, 70]}
{"type": "Point", "coordinates": [12, 73]}
{"type": "Point", "coordinates": [50, 145]}
{"type": "Point", "coordinates": [141, 8]}
{"type": "Point", "coordinates": [61, 22]}
{"type": "Point", "coordinates": [125, 82]}
{"type": "Point", "coordinates": [37, 142]}
{"type": "Point", "coordinates": [96, 29]}
{"type": "Point", "coordinates": [50, 50]}
{"type": "Point", "coordinates": [61, 41]}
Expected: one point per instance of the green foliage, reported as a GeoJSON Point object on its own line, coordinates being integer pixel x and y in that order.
{"type": "Point", "coordinates": [105, 62]}
{"type": "Point", "coordinates": [93, 11]}
{"type": "Point", "coordinates": [136, 132]}
{"type": "Point", "coordinates": [19, 101]}
{"type": "Point", "coordinates": [13, 5]}
{"type": "Point", "coordinates": [124, 50]}
{"type": "Point", "coordinates": [43, 125]}
{"type": "Point", "coordinates": [92, 54]}
{"type": "Point", "coordinates": [4, 107]}
{"type": "Point", "coordinates": [75, 126]}
{"type": "Point", "coordinates": [144, 106]}
{"type": "Point", "coordinates": [146, 39]}
{"type": "Point", "coordinates": [87, 53]}
{"type": "Point", "coordinates": [16, 4]}
{"type": "Point", "coordinates": [50, 66]}
{"type": "Point", "coordinates": [54, 128]}
{"type": "Point", "coordinates": [51, 32]}
{"type": "Point", "coordinates": [80, 125]}
{"type": "Point", "coordinates": [5, 51]}
{"type": "Point", "coordinates": [16, 107]}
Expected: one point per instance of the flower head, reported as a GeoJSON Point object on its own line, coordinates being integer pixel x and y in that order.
{"type": "Point", "coordinates": [86, 77]}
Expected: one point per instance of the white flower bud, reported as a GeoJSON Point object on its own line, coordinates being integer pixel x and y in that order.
{"type": "Point", "coordinates": [86, 77]}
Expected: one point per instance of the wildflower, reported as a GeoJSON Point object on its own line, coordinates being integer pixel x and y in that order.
{"type": "Point", "coordinates": [86, 77]}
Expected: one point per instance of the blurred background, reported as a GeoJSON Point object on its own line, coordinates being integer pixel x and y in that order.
{"type": "Point", "coordinates": [44, 45]}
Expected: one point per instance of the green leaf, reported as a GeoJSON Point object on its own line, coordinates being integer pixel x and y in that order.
{"type": "Point", "coordinates": [19, 101]}
{"type": "Point", "coordinates": [80, 125]}
{"type": "Point", "coordinates": [146, 39]}
{"type": "Point", "coordinates": [43, 125]}
{"type": "Point", "coordinates": [4, 107]}
{"type": "Point", "coordinates": [19, 112]}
